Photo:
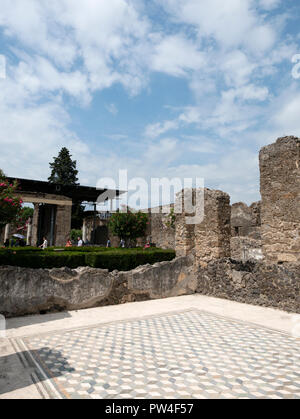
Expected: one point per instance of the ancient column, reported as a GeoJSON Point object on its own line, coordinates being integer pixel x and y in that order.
{"type": "Point", "coordinates": [29, 233]}
{"type": "Point", "coordinates": [7, 232]}
{"type": "Point", "coordinates": [35, 225]}
{"type": "Point", "coordinates": [280, 191]}
{"type": "Point", "coordinates": [84, 231]}
{"type": "Point", "coordinates": [63, 224]}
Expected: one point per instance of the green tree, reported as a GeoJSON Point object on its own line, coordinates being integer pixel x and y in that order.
{"type": "Point", "coordinates": [129, 225]}
{"type": "Point", "coordinates": [63, 169]}
{"type": "Point", "coordinates": [77, 215]}
{"type": "Point", "coordinates": [64, 172]}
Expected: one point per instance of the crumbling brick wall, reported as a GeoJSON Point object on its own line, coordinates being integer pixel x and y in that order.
{"type": "Point", "coordinates": [280, 191]}
{"type": "Point", "coordinates": [210, 238]}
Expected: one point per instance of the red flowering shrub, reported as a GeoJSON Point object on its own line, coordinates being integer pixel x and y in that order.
{"type": "Point", "coordinates": [10, 205]}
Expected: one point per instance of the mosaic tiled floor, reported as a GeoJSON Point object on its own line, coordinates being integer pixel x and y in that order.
{"type": "Point", "coordinates": [185, 355]}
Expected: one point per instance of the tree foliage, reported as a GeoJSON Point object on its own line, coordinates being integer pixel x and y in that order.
{"type": "Point", "coordinates": [63, 169]}
{"type": "Point", "coordinates": [129, 225]}
{"type": "Point", "coordinates": [10, 204]}
{"type": "Point", "coordinates": [64, 172]}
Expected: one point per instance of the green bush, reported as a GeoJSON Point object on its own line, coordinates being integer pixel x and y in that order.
{"type": "Point", "coordinates": [75, 234]}
{"type": "Point", "coordinates": [42, 260]}
{"type": "Point", "coordinates": [21, 249]}
{"type": "Point", "coordinates": [126, 260]}
{"type": "Point", "coordinates": [111, 259]}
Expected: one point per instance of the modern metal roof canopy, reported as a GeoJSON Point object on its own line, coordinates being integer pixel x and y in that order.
{"type": "Point", "coordinates": [76, 193]}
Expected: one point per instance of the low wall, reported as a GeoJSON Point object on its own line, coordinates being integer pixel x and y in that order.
{"type": "Point", "coordinates": [252, 282]}
{"type": "Point", "coordinates": [32, 291]}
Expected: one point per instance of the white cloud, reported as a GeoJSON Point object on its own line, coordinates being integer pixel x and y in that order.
{"type": "Point", "coordinates": [155, 130]}
{"type": "Point", "coordinates": [111, 108]}
{"type": "Point", "coordinates": [232, 23]}
{"type": "Point", "coordinates": [176, 55]}
{"type": "Point", "coordinates": [237, 68]}
{"type": "Point", "coordinates": [269, 4]}
{"type": "Point", "coordinates": [286, 118]}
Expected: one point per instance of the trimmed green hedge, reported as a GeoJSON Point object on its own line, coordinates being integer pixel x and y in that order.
{"type": "Point", "coordinates": [126, 260]}
{"type": "Point", "coordinates": [111, 259]}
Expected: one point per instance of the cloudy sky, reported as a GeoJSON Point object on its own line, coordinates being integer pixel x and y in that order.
{"type": "Point", "coordinates": [158, 87]}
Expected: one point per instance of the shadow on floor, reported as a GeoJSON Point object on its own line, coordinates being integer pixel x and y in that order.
{"type": "Point", "coordinates": [17, 322]}
{"type": "Point", "coordinates": [18, 371]}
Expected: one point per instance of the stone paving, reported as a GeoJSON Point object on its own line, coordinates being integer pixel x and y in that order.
{"type": "Point", "coordinates": [188, 354]}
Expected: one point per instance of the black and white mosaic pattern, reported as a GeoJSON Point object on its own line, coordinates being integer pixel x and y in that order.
{"type": "Point", "coordinates": [183, 355]}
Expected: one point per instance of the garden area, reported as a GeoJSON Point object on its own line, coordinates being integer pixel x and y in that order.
{"type": "Point", "coordinates": [128, 226]}
{"type": "Point", "coordinates": [95, 257]}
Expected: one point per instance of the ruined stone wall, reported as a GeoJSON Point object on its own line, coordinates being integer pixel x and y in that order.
{"type": "Point", "coordinates": [280, 191]}
{"type": "Point", "coordinates": [161, 232]}
{"type": "Point", "coordinates": [246, 221]}
{"type": "Point", "coordinates": [253, 283]}
{"type": "Point", "coordinates": [31, 291]}
{"type": "Point", "coordinates": [210, 238]}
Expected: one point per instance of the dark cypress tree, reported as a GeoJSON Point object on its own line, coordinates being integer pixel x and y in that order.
{"type": "Point", "coordinates": [64, 172]}
{"type": "Point", "coordinates": [63, 169]}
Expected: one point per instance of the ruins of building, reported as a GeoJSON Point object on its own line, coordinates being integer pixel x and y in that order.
{"type": "Point", "coordinates": [246, 220]}
{"type": "Point", "coordinates": [280, 192]}
{"type": "Point", "coordinates": [204, 264]}
{"type": "Point", "coordinates": [246, 231]}
{"type": "Point", "coordinates": [159, 231]}
{"type": "Point", "coordinates": [52, 209]}
{"type": "Point", "coordinates": [206, 231]}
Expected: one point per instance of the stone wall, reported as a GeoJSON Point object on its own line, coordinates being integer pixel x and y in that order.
{"type": "Point", "coordinates": [253, 283]}
{"type": "Point", "coordinates": [246, 221]}
{"type": "Point", "coordinates": [31, 291]}
{"type": "Point", "coordinates": [161, 232]}
{"type": "Point", "coordinates": [210, 238]}
{"type": "Point", "coordinates": [280, 191]}
{"type": "Point", "coordinates": [158, 230]}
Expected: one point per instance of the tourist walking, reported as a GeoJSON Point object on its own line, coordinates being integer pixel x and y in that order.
{"type": "Point", "coordinates": [45, 244]}
{"type": "Point", "coordinates": [80, 242]}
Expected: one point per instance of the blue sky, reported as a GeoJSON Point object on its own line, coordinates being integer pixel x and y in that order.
{"type": "Point", "coordinates": [169, 88]}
